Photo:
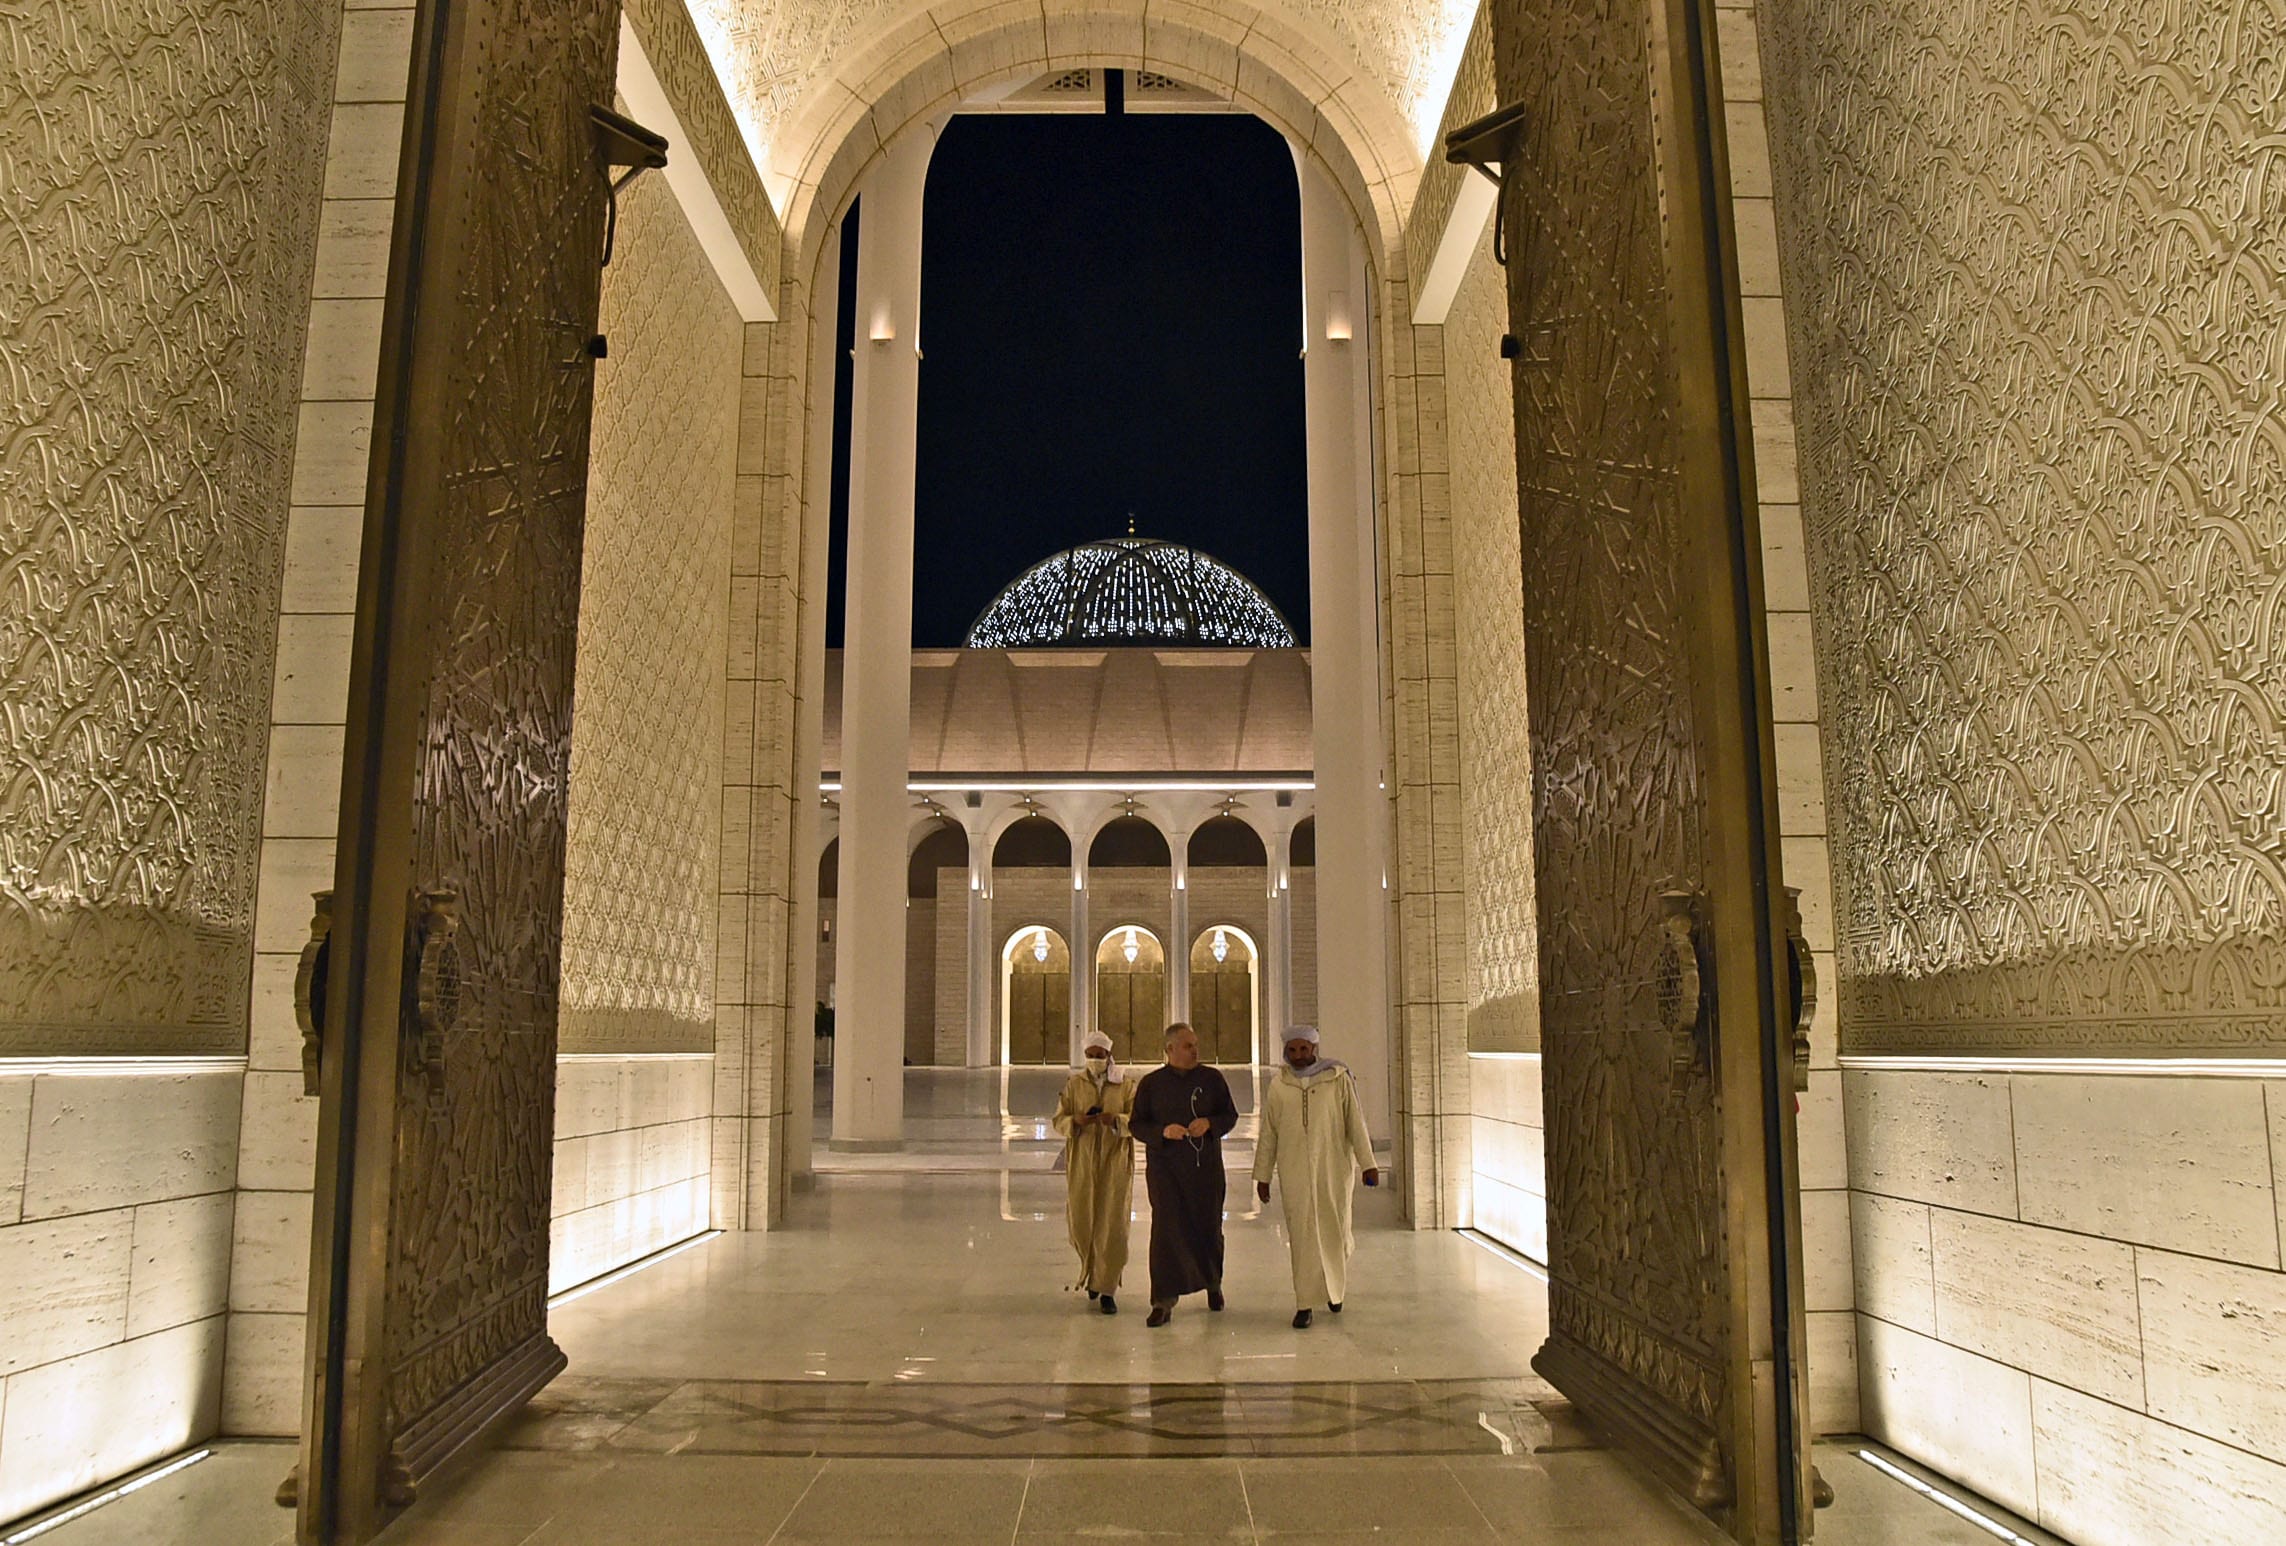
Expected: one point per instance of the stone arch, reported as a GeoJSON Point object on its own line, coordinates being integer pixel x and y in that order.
{"type": "Point", "coordinates": [1283, 69]}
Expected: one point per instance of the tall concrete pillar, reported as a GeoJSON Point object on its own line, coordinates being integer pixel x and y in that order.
{"type": "Point", "coordinates": [1178, 941]}
{"type": "Point", "coordinates": [869, 955]}
{"type": "Point", "coordinates": [1345, 652]}
{"type": "Point", "coordinates": [983, 1043]}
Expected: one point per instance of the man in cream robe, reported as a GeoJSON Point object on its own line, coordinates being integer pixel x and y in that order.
{"type": "Point", "coordinates": [1099, 1168]}
{"type": "Point", "coordinates": [1314, 1143]}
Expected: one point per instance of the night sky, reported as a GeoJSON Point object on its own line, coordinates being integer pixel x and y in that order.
{"type": "Point", "coordinates": [1110, 323]}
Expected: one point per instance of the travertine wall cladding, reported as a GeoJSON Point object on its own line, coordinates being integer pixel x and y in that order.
{"type": "Point", "coordinates": [2038, 258]}
{"type": "Point", "coordinates": [645, 819]}
{"type": "Point", "coordinates": [160, 169]}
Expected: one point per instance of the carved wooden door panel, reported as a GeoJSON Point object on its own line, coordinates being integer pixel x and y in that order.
{"type": "Point", "coordinates": [1674, 1294]}
{"type": "Point", "coordinates": [428, 1304]}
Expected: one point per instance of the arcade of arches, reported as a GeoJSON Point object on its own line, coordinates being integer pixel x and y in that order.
{"type": "Point", "coordinates": [1779, 806]}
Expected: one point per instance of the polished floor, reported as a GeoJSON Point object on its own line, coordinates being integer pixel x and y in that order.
{"type": "Point", "coordinates": [905, 1361]}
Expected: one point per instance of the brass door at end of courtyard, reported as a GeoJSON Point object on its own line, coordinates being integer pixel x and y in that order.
{"type": "Point", "coordinates": [1036, 998]}
{"type": "Point", "coordinates": [432, 1006]}
{"type": "Point", "coordinates": [1668, 1049]}
{"type": "Point", "coordinates": [1131, 993]}
{"type": "Point", "coordinates": [1222, 996]}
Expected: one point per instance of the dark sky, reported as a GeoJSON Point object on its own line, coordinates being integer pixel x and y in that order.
{"type": "Point", "coordinates": [1110, 322]}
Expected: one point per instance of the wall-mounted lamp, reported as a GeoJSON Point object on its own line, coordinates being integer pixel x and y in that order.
{"type": "Point", "coordinates": [1130, 950]}
{"type": "Point", "coordinates": [1079, 882]}
{"type": "Point", "coordinates": [883, 328]}
{"type": "Point", "coordinates": [1221, 948]}
{"type": "Point", "coordinates": [1337, 317]}
{"type": "Point", "coordinates": [1040, 946]}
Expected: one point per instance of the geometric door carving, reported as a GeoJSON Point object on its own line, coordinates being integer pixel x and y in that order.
{"type": "Point", "coordinates": [428, 1301]}
{"type": "Point", "coordinates": [1674, 1303]}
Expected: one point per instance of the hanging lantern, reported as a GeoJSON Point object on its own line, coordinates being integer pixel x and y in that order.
{"type": "Point", "coordinates": [1130, 949]}
{"type": "Point", "coordinates": [1221, 948]}
{"type": "Point", "coordinates": [1040, 946]}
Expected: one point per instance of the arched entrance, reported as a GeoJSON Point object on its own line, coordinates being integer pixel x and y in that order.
{"type": "Point", "coordinates": [1035, 997]}
{"type": "Point", "coordinates": [1131, 991]}
{"type": "Point", "coordinates": [1226, 1001]}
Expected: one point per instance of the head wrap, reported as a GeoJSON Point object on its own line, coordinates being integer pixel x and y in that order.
{"type": "Point", "coordinates": [1309, 1033]}
{"type": "Point", "coordinates": [1095, 1040]}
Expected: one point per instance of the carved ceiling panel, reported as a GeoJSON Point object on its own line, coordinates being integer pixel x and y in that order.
{"type": "Point", "coordinates": [160, 167]}
{"type": "Point", "coordinates": [2035, 259]}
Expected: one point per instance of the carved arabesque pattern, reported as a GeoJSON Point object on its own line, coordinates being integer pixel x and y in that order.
{"type": "Point", "coordinates": [160, 169]}
{"type": "Point", "coordinates": [645, 812]}
{"type": "Point", "coordinates": [679, 57]}
{"type": "Point", "coordinates": [469, 1223]}
{"type": "Point", "coordinates": [2036, 258]}
{"type": "Point", "coordinates": [1488, 615]}
{"type": "Point", "coordinates": [1618, 817]}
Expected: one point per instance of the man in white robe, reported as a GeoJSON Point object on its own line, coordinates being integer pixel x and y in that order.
{"type": "Point", "coordinates": [1314, 1142]}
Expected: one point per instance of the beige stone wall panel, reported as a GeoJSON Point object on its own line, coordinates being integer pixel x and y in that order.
{"type": "Point", "coordinates": [2038, 388]}
{"type": "Point", "coordinates": [164, 166]}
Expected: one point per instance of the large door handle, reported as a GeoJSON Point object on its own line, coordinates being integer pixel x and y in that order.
{"type": "Point", "coordinates": [437, 985]}
{"type": "Point", "coordinates": [1801, 987]}
{"type": "Point", "coordinates": [1682, 987]}
{"type": "Point", "coordinates": [309, 988]}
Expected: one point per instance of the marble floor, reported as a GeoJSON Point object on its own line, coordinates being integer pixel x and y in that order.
{"type": "Point", "coordinates": [904, 1361]}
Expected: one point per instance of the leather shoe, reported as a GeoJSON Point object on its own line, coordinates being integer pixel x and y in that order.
{"type": "Point", "coordinates": [1335, 1308]}
{"type": "Point", "coordinates": [1110, 1305]}
{"type": "Point", "coordinates": [1214, 1298]}
{"type": "Point", "coordinates": [1160, 1315]}
{"type": "Point", "coordinates": [1301, 1320]}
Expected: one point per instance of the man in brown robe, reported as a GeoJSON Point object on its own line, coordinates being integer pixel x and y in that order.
{"type": "Point", "coordinates": [1181, 1114]}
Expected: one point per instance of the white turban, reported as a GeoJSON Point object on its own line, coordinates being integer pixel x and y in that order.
{"type": "Point", "coordinates": [1093, 1040]}
{"type": "Point", "coordinates": [1308, 1033]}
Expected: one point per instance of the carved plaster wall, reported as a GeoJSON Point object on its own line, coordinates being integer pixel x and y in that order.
{"type": "Point", "coordinates": [2038, 255]}
{"type": "Point", "coordinates": [1495, 733]}
{"type": "Point", "coordinates": [645, 813]}
{"type": "Point", "coordinates": [159, 171]}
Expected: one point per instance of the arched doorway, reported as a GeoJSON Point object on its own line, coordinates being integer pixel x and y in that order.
{"type": "Point", "coordinates": [1226, 1001]}
{"type": "Point", "coordinates": [1131, 991]}
{"type": "Point", "coordinates": [1035, 997]}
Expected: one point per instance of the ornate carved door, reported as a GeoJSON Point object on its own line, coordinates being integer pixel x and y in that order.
{"type": "Point", "coordinates": [437, 994]}
{"type": "Point", "coordinates": [1674, 1294]}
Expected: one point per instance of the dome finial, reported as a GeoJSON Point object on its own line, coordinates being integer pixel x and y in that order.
{"type": "Point", "coordinates": [1130, 523]}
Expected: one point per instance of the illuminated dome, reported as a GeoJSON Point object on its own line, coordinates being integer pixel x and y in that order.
{"type": "Point", "coordinates": [1130, 590]}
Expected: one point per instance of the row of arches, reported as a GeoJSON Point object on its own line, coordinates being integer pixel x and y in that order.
{"type": "Point", "coordinates": [1127, 843]}
{"type": "Point", "coordinates": [1130, 994]}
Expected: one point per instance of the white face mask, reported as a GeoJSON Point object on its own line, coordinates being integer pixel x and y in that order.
{"type": "Point", "coordinates": [1096, 1065]}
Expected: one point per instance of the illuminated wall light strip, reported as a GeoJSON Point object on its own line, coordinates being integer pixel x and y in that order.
{"type": "Point", "coordinates": [2145, 1067]}
{"type": "Point", "coordinates": [111, 1495]}
{"type": "Point", "coordinates": [116, 1067]}
{"type": "Point", "coordinates": [1946, 1500]}
{"type": "Point", "coordinates": [1147, 786]}
{"type": "Point", "coordinates": [634, 1057]}
{"type": "Point", "coordinates": [1484, 1242]}
{"type": "Point", "coordinates": [628, 1271]}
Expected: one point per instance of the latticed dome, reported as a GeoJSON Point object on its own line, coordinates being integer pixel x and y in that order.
{"type": "Point", "coordinates": [1130, 590]}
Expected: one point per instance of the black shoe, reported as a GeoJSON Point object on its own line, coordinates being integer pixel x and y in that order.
{"type": "Point", "coordinates": [1093, 1295]}
{"type": "Point", "coordinates": [1160, 1315]}
{"type": "Point", "coordinates": [1301, 1320]}
{"type": "Point", "coordinates": [1214, 1298]}
{"type": "Point", "coordinates": [1110, 1305]}
{"type": "Point", "coordinates": [1335, 1308]}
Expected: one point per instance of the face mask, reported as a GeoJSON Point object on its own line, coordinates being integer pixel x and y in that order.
{"type": "Point", "coordinates": [1098, 1065]}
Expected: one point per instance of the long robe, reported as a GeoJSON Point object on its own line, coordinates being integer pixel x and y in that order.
{"type": "Point", "coordinates": [1314, 1141]}
{"type": "Point", "coordinates": [1099, 1177]}
{"type": "Point", "coordinates": [1183, 1176]}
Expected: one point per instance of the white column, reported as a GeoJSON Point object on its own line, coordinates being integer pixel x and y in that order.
{"type": "Point", "coordinates": [810, 818]}
{"type": "Point", "coordinates": [869, 955]}
{"type": "Point", "coordinates": [983, 1043]}
{"type": "Point", "coordinates": [1277, 963]}
{"type": "Point", "coordinates": [1345, 675]}
{"type": "Point", "coordinates": [1083, 954]}
{"type": "Point", "coordinates": [1178, 941]}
